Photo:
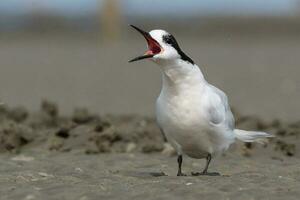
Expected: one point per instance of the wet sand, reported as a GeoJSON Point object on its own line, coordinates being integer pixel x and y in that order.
{"type": "Point", "coordinates": [84, 156]}
{"type": "Point", "coordinates": [135, 176]}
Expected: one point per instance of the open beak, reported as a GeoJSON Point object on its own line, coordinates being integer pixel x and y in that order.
{"type": "Point", "coordinates": [153, 46]}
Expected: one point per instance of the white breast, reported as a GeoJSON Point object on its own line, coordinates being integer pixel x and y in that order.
{"type": "Point", "coordinates": [180, 115]}
{"type": "Point", "coordinates": [182, 125]}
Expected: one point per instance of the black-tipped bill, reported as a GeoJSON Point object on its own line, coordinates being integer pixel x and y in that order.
{"type": "Point", "coordinates": [144, 33]}
{"type": "Point", "coordinates": [153, 46]}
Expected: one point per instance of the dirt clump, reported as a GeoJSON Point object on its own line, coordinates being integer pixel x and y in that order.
{"type": "Point", "coordinates": [92, 134]}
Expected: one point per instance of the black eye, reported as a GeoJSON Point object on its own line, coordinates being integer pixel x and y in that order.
{"type": "Point", "coordinates": [168, 39]}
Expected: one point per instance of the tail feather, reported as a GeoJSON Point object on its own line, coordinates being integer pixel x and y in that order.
{"type": "Point", "coordinates": [251, 136]}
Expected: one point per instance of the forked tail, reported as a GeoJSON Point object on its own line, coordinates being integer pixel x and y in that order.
{"type": "Point", "coordinates": [251, 136]}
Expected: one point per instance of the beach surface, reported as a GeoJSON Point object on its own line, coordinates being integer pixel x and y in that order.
{"type": "Point", "coordinates": [45, 155]}
{"type": "Point", "coordinates": [41, 175]}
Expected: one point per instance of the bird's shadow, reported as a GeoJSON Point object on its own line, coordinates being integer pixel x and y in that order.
{"type": "Point", "coordinates": [143, 174]}
{"type": "Point", "coordinates": [149, 174]}
{"type": "Point", "coordinates": [205, 174]}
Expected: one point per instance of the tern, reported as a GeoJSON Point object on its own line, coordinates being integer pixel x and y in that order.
{"type": "Point", "coordinates": [193, 115]}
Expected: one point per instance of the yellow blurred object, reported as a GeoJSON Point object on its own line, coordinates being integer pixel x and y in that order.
{"type": "Point", "coordinates": [110, 19]}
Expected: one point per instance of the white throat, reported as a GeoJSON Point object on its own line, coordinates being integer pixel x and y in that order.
{"type": "Point", "coordinates": [178, 74]}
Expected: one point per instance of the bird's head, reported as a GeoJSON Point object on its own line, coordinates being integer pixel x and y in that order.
{"type": "Point", "coordinates": [162, 47]}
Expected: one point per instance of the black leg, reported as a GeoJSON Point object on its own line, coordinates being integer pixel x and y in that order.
{"type": "Point", "coordinates": [204, 172]}
{"type": "Point", "coordinates": [179, 160]}
{"type": "Point", "coordinates": [208, 159]}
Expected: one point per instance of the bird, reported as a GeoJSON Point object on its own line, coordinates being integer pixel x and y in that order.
{"type": "Point", "coordinates": [193, 115]}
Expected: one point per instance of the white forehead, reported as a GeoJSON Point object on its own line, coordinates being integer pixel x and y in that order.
{"type": "Point", "coordinates": [158, 34]}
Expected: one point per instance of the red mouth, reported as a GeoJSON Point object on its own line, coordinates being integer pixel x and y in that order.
{"type": "Point", "coordinates": [153, 46]}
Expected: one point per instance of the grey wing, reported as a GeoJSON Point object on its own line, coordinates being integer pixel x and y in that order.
{"type": "Point", "coordinates": [218, 109]}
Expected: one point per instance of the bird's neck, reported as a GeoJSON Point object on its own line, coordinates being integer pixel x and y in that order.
{"type": "Point", "coordinates": [179, 74]}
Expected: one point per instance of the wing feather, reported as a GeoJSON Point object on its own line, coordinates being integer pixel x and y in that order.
{"type": "Point", "coordinates": [218, 110]}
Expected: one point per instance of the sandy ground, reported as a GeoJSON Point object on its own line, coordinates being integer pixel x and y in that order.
{"type": "Point", "coordinates": [45, 155]}
{"type": "Point", "coordinates": [40, 175]}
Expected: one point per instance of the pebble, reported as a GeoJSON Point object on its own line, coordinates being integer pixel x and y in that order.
{"type": "Point", "coordinates": [23, 158]}
{"type": "Point", "coordinates": [130, 147]}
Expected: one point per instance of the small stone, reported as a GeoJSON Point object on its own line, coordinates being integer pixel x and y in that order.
{"type": "Point", "coordinates": [23, 158]}
{"type": "Point", "coordinates": [43, 174]}
{"type": "Point", "coordinates": [130, 147]}
{"type": "Point", "coordinates": [78, 169]}
{"type": "Point", "coordinates": [30, 197]}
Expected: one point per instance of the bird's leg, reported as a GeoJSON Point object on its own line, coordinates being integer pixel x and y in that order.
{"type": "Point", "coordinates": [204, 172]}
{"type": "Point", "coordinates": [208, 159]}
{"type": "Point", "coordinates": [179, 160]}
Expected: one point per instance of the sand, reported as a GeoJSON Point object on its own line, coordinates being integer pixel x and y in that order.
{"type": "Point", "coordinates": [45, 155]}
{"type": "Point", "coordinates": [137, 176]}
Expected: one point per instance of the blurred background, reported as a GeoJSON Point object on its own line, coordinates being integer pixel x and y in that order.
{"type": "Point", "coordinates": [75, 52]}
